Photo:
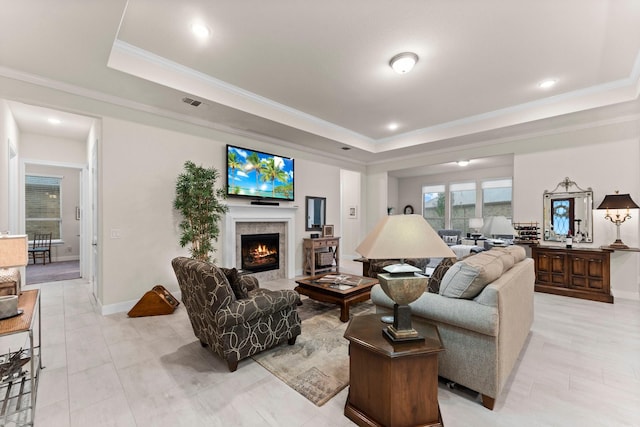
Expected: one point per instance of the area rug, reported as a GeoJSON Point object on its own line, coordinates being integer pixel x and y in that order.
{"type": "Point", "coordinates": [52, 272]}
{"type": "Point", "coordinates": [317, 365]}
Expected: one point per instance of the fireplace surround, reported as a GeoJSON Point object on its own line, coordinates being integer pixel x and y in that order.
{"type": "Point", "coordinates": [260, 219]}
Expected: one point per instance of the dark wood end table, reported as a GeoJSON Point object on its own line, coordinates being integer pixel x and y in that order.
{"type": "Point", "coordinates": [392, 384]}
{"type": "Point", "coordinates": [342, 292]}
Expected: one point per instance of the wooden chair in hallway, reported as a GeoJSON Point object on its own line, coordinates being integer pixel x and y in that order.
{"type": "Point", "coordinates": [41, 247]}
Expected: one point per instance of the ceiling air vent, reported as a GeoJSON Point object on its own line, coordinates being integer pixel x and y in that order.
{"type": "Point", "coordinates": [191, 101]}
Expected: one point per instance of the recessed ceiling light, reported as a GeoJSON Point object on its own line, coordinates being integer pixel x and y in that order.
{"type": "Point", "coordinates": [403, 62]}
{"type": "Point", "coordinates": [392, 126]}
{"type": "Point", "coordinates": [200, 30]}
{"type": "Point", "coordinates": [54, 121]}
{"type": "Point", "coordinates": [463, 163]}
{"type": "Point", "coordinates": [546, 84]}
{"type": "Point", "coordinates": [346, 148]}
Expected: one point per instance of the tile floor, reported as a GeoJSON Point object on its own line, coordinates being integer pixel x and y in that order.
{"type": "Point", "coordinates": [580, 367]}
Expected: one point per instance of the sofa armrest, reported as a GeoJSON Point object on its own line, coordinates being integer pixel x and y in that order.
{"type": "Point", "coordinates": [261, 303]}
{"type": "Point", "coordinates": [463, 313]}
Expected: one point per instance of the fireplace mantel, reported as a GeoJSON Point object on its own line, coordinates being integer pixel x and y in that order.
{"type": "Point", "coordinates": [258, 213]}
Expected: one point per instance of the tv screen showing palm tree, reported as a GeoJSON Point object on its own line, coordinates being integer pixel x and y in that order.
{"type": "Point", "coordinates": [259, 175]}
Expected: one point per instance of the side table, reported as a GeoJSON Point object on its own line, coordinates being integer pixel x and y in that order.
{"type": "Point", "coordinates": [393, 385]}
{"type": "Point", "coordinates": [18, 388]}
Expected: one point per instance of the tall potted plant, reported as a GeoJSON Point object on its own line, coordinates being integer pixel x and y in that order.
{"type": "Point", "coordinates": [199, 203]}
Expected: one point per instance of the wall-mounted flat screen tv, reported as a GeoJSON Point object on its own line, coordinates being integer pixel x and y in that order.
{"type": "Point", "coordinates": [259, 175]}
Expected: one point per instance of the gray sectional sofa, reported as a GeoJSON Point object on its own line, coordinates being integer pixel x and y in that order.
{"type": "Point", "coordinates": [483, 326]}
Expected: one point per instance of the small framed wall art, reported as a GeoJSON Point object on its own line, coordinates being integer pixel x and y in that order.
{"type": "Point", "coordinates": [353, 212]}
{"type": "Point", "coordinates": [327, 231]}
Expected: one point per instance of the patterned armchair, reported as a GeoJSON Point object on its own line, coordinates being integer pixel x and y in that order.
{"type": "Point", "coordinates": [231, 314]}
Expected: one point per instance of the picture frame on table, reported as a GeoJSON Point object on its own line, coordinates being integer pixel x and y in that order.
{"type": "Point", "coordinates": [327, 231]}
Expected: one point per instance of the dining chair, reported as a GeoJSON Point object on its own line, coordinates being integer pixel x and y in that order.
{"type": "Point", "coordinates": [41, 247]}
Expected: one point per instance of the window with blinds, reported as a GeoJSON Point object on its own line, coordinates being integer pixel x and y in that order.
{"type": "Point", "coordinates": [43, 205]}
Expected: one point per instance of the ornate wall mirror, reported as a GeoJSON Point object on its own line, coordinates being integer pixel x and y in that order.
{"type": "Point", "coordinates": [568, 212]}
{"type": "Point", "coordinates": [316, 211]}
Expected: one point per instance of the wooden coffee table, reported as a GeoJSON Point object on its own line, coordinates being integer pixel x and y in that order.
{"type": "Point", "coordinates": [335, 288]}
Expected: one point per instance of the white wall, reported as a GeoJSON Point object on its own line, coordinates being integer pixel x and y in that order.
{"type": "Point", "coordinates": [352, 226]}
{"type": "Point", "coordinates": [9, 142]}
{"type": "Point", "coordinates": [393, 188]}
{"type": "Point", "coordinates": [320, 180]}
{"type": "Point", "coordinates": [604, 167]}
{"type": "Point", "coordinates": [46, 148]}
{"type": "Point", "coordinates": [376, 199]}
{"type": "Point", "coordinates": [139, 165]}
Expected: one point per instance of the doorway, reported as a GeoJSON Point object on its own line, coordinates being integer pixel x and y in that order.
{"type": "Point", "coordinates": [53, 148]}
{"type": "Point", "coordinates": [52, 204]}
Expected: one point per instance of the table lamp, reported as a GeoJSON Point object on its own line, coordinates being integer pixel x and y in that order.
{"type": "Point", "coordinates": [476, 224]}
{"type": "Point", "coordinates": [401, 237]}
{"type": "Point", "coordinates": [618, 203]}
{"type": "Point", "coordinates": [498, 226]}
{"type": "Point", "coordinates": [13, 253]}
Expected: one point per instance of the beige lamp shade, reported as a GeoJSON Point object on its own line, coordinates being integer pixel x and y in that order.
{"type": "Point", "coordinates": [476, 223]}
{"type": "Point", "coordinates": [14, 251]}
{"type": "Point", "coordinates": [498, 225]}
{"type": "Point", "coordinates": [403, 236]}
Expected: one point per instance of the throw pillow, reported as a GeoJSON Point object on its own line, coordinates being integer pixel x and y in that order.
{"type": "Point", "coordinates": [466, 279]}
{"type": "Point", "coordinates": [450, 239]}
{"type": "Point", "coordinates": [236, 286]}
{"type": "Point", "coordinates": [438, 274]}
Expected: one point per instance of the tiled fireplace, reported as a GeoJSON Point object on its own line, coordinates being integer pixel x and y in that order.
{"type": "Point", "coordinates": [256, 220]}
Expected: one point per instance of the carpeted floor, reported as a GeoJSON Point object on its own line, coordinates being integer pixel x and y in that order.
{"type": "Point", "coordinates": [317, 365]}
{"type": "Point", "coordinates": [52, 272]}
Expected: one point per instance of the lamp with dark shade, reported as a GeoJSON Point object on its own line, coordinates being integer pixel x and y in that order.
{"type": "Point", "coordinates": [402, 237]}
{"type": "Point", "coordinates": [618, 202]}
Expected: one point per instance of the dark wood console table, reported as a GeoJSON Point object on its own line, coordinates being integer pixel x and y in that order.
{"type": "Point", "coordinates": [392, 384]}
{"type": "Point", "coordinates": [573, 272]}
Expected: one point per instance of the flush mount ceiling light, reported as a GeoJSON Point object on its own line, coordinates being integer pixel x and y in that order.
{"type": "Point", "coordinates": [54, 121]}
{"type": "Point", "coordinates": [462, 162]}
{"type": "Point", "coordinates": [546, 84]}
{"type": "Point", "coordinates": [392, 126]}
{"type": "Point", "coordinates": [200, 30]}
{"type": "Point", "coordinates": [402, 63]}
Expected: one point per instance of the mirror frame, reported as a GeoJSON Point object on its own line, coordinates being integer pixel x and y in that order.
{"type": "Point", "coordinates": [307, 217]}
{"type": "Point", "coordinates": [586, 226]}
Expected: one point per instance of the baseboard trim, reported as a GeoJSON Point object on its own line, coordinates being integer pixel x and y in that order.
{"type": "Point", "coordinates": [65, 258]}
{"type": "Point", "coordinates": [626, 295]}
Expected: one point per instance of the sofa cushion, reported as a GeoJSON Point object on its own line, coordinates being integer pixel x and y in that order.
{"type": "Point", "coordinates": [516, 251]}
{"type": "Point", "coordinates": [438, 274]}
{"type": "Point", "coordinates": [507, 259]}
{"type": "Point", "coordinates": [467, 278]}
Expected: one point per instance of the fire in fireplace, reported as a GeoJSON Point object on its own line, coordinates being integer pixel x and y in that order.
{"type": "Point", "coordinates": [260, 252]}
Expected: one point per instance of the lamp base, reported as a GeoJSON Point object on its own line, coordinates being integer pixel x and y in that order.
{"type": "Point", "coordinates": [618, 245]}
{"type": "Point", "coordinates": [401, 330]}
